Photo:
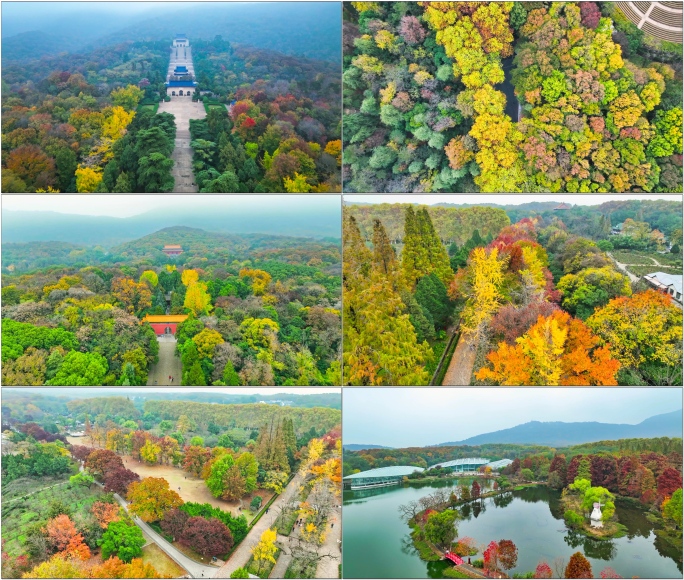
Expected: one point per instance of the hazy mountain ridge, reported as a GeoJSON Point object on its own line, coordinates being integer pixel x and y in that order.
{"type": "Point", "coordinates": [306, 29]}
{"type": "Point", "coordinates": [361, 446]}
{"type": "Point", "coordinates": [559, 433]}
{"type": "Point", "coordinates": [35, 226]}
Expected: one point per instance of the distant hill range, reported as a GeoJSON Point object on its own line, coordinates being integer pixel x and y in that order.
{"type": "Point", "coordinates": [361, 446]}
{"type": "Point", "coordinates": [560, 434]}
{"type": "Point", "coordinates": [315, 220]}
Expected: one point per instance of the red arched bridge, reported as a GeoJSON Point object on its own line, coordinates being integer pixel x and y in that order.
{"type": "Point", "coordinates": [455, 558]}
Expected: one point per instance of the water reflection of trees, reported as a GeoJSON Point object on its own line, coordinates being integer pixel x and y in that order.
{"type": "Point", "coordinates": [667, 550]}
{"type": "Point", "coordinates": [634, 519]}
{"type": "Point", "coordinates": [592, 548]}
{"type": "Point", "coordinates": [407, 546]}
{"type": "Point", "coordinates": [503, 500]}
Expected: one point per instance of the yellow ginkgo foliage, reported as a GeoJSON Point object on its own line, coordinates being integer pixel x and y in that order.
{"type": "Point", "coordinates": [189, 277]}
{"type": "Point", "coordinates": [264, 550]}
{"type": "Point", "coordinates": [88, 179]}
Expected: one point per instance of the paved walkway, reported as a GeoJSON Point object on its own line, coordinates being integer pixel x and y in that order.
{"type": "Point", "coordinates": [169, 364]}
{"type": "Point", "coordinates": [183, 109]}
{"type": "Point", "coordinates": [462, 362]}
{"type": "Point", "coordinates": [623, 267]}
{"type": "Point", "coordinates": [241, 555]}
{"type": "Point", "coordinates": [329, 567]}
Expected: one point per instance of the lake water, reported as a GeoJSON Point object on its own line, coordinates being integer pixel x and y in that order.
{"type": "Point", "coordinates": [377, 543]}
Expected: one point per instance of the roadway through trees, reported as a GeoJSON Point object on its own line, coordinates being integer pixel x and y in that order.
{"type": "Point", "coordinates": [462, 362]}
{"type": "Point", "coordinates": [183, 109]}
{"type": "Point", "coordinates": [240, 556]}
{"type": "Point", "coordinates": [169, 364]}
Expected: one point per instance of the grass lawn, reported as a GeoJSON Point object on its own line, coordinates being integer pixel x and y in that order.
{"type": "Point", "coordinates": [190, 553]}
{"type": "Point", "coordinates": [266, 567]}
{"type": "Point", "coordinates": [17, 516]}
{"type": "Point", "coordinates": [148, 107]}
{"type": "Point", "coordinates": [153, 554]}
{"type": "Point", "coordinates": [642, 258]}
{"type": "Point", "coordinates": [643, 270]}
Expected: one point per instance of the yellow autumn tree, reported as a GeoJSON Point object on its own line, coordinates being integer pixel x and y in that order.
{"type": "Point", "coordinates": [296, 185]}
{"type": "Point", "coordinates": [206, 341]}
{"type": "Point", "coordinates": [197, 298]}
{"type": "Point", "coordinates": [260, 280]}
{"type": "Point", "coordinates": [189, 277]}
{"type": "Point", "coordinates": [486, 273]}
{"type": "Point", "coordinates": [264, 550]}
{"type": "Point", "coordinates": [127, 97]}
{"type": "Point", "coordinates": [88, 179]}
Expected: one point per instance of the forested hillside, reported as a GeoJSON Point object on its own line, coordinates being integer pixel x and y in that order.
{"type": "Point", "coordinates": [507, 97]}
{"type": "Point", "coordinates": [245, 416]}
{"type": "Point", "coordinates": [70, 122]}
{"type": "Point", "coordinates": [428, 456]}
{"type": "Point", "coordinates": [282, 130]}
{"type": "Point", "coordinates": [262, 310]}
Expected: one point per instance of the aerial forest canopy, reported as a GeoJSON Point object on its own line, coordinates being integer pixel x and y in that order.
{"type": "Point", "coordinates": [508, 97]}
{"type": "Point", "coordinates": [87, 123]}
{"type": "Point", "coordinates": [282, 128]}
{"type": "Point", "coordinates": [528, 303]}
{"type": "Point", "coordinates": [262, 310]}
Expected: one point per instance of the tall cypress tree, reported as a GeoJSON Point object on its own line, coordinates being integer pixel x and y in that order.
{"type": "Point", "coordinates": [414, 256]}
{"type": "Point", "coordinates": [437, 256]}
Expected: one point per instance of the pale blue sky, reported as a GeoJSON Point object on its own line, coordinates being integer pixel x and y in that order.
{"type": "Point", "coordinates": [419, 416]}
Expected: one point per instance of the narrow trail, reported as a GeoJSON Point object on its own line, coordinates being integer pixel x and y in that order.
{"type": "Point", "coordinates": [624, 269]}
{"type": "Point", "coordinates": [169, 364]}
{"type": "Point", "coordinates": [462, 362]}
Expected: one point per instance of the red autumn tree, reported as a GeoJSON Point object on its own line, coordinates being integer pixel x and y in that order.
{"type": "Point", "coordinates": [208, 537]}
{"type": "Point", "coordinates": [578, 567]}
{"type": "Point", "coordinates": [137, 440]}
{"type": "Point", "coordinates": [669, 482]}
{"type": "Point", "coordinates": [491, 557]}
{"type": "Point", "coordinates": [590, 14]}
{"type": "Point", "coordinates": [543, 570]}
{"type": "Point", "coordinates": [609, 573]}
{"type": "Point", "coordinates": [81, 452]}
{"type": "Point", "coordinates": [101, 461]}
{"type": "Point", "coordinates": [475, 490]}
{"type": "Point", "coordinates": [174, 522]}
{"type": "Point", "coordinates": [117, 480]}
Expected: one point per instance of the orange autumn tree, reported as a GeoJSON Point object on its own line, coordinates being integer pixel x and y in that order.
{"type": "Point", "coordinates": [556, 350]}
{"type": "Point", "coordinates": [65, 538]}
{"type": "Point", "coordinates": [115, 568]}
{"type": "Point", "coordinates": [105, 513]}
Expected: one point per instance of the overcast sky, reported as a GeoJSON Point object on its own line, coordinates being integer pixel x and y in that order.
{"type": "Point", "coordinates": [130, 205]}
{"type": "Point", "coordinates": [502, 199]}
{"type": "Point", "coordinates": [427, 416]}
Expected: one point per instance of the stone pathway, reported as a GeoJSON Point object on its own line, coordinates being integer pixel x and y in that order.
{"type": "Point", "coordinates": [183, 109]}
{"type": "Point", "coordinates": [462, 362]}
{"type": "Point", "coordinates": [169, 364]}
{"type": "Point", "coordinates": [241, 555]}
{"type": "Point", "coordinates": [329, 567]}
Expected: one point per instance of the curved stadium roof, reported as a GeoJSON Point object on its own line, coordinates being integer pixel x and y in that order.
{"type": "Point", "coordinates": [395, 470]}
{"type": "Point", "coordinates": [462, 461]}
